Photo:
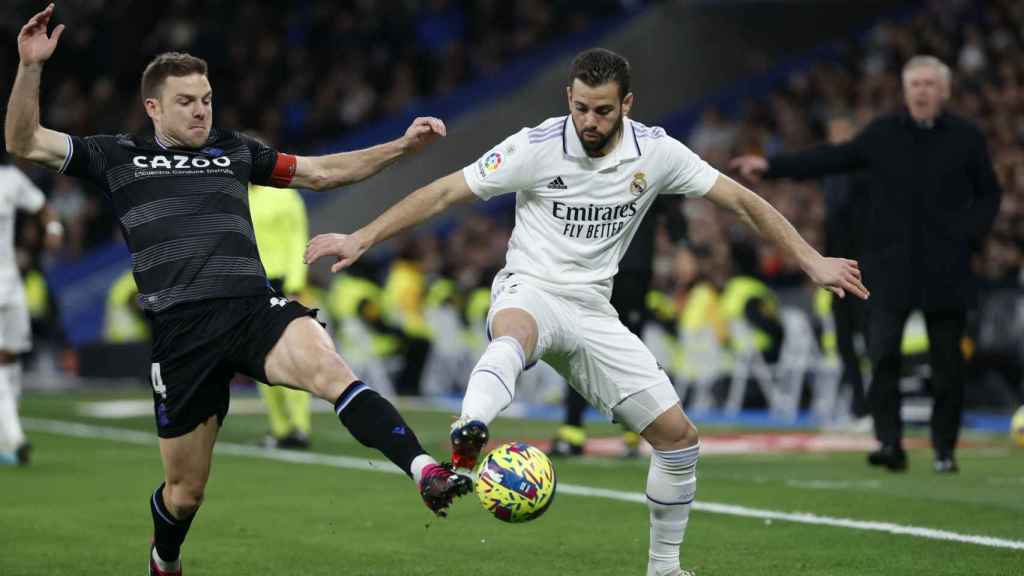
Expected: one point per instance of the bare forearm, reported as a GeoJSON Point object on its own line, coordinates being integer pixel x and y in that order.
{"type": "Point", "coordinates": [769, 224]}
{"type": "Point", "coordinates": [22, 119]}
{"type": "Point", "coordinates": [350, 167]}
{"type": "Point", "coordinates": [415, 208]}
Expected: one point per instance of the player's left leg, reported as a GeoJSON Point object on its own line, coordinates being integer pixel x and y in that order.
{"type": "Point", "coordinates": [186, 459]}
{"type": "Point", "coordinates": [617, 373]}
{"type": "Point", "coordinates": [671, 485]}
{"type": "Point", "coordinates": [303, 357]}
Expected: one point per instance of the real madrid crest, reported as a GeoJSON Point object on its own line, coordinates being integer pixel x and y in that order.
{"type": "Point", "coordinates": [639, 184]}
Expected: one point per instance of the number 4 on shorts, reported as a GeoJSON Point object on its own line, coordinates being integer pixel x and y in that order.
{"type": "Point", "coordinates": [157, 380]}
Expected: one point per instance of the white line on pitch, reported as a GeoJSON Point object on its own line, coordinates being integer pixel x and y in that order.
{"type": "Point", "coordinates": [80, 430]}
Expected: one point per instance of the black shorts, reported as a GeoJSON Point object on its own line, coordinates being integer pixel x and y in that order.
{"type": "Point", "coordinates": [199, 346]}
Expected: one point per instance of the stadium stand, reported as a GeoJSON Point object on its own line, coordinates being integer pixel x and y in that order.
{"type": "Point", "coordinates": [457, 42]}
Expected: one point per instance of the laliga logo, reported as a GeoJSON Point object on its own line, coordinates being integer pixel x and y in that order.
{"type": "Point", "coordinates": [176, 162]}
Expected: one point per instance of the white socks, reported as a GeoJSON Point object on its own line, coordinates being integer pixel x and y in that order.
{"type": "Point", "coordinates": [671, 485]}
{"type": "Point", "coordinates": [165, 566]}
{"type": "Point", "coordinates": [11, 434]}
{"type": "Point", "coordinates": [418, 464]}
{"type": "Point", "coordinates": [492, 384]}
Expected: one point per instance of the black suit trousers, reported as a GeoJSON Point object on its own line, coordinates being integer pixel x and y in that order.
{"type": "Point", "coordinates": [945, 330]}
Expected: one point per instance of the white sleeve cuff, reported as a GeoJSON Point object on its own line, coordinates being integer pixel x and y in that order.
{"type": "Point", "coordinates": [68, 155]}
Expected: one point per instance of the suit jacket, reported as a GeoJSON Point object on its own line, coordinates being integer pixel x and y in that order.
{"type": "Point", "coordinates": [931, 198]}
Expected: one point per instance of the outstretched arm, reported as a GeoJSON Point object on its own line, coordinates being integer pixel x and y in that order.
{"type": "Point", "coordinates": [25, 137]}
{"type": "Point", "coordinates": [812, 163]}
{"type": "Point", "coordinates": [331, 171]}
{"type": "Point", "coordinates": [417, 207]}
{"type": "Point", "coordinates": [836, 274]}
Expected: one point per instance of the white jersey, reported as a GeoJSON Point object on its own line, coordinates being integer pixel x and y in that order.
{"type": "Point", "coordinates": [17, 192]}
{"type": "Point", "coordinates": [575, 215]}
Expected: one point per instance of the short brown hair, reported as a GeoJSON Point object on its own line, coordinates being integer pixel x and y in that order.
{"type": "Point", "coordinates": [598, 66]}
{"type": "Point", "coordinates": [169, 64]}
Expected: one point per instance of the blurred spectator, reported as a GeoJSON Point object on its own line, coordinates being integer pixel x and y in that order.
{"type": "Point", "coordinates": [932, 197]}
{"type": "Point", "coordinates": [323, 67]}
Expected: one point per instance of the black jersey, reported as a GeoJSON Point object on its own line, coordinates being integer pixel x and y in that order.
{"type": "Point", "coordinates": [184, 212]}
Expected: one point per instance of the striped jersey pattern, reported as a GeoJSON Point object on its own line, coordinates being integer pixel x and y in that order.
{"type": "Point", "coordinates": [184, 212]}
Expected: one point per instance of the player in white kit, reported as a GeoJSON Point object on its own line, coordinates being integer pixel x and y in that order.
{"type": "Point", "coordinates": [583, 182]}
{"type": "Point", "coordinates": [17, 192]}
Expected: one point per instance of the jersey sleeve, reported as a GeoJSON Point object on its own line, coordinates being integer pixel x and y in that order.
{"type": "Point", "coordinates": [26, 195]}
{"type": "Point", "coordinates": [688, 174]}
{"type": "Point", "coordinates": [504, 169]}
{"type": "Point", "coordinates": [87, 158]}
{"type": "Point", "coordinates": [269, 167]}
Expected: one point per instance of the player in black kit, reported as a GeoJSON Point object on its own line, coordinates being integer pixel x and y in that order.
{"type": "Point", "coordinates": [181, 199]}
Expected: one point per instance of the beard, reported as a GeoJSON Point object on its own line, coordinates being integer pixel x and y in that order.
{"type": "Point", "coordinates": [592, 146]}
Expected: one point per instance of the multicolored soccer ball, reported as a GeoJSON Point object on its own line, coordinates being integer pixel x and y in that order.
{"type": "Point", "coordinates": [515, 482]}
{"type": "Point", "coordinates": [1017, 427]}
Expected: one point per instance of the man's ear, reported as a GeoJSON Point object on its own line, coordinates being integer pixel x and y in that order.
{"type": "Point", "coordinates": [627, 104]}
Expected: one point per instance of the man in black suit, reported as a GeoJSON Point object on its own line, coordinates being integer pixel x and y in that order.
{"type": "Point", "coordinates": [932, 198]}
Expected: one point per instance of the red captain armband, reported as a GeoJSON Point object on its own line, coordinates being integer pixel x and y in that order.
{"type": "Point", "coordinates": [284, 170]}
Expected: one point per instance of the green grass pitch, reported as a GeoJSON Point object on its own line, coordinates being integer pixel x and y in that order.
{"type": "Point", "coordinates": [81, 508]}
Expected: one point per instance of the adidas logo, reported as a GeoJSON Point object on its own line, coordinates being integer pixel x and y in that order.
{"type": "Point", "coordinates": [557, 184]}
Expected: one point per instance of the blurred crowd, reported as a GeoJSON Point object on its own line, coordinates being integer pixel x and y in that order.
{"type": "Point", "coordinates": [423, 306]}
{"type": "Point", "coordinates": [299, 73]}
{"type": "Point", "coordinates": [983, 44]}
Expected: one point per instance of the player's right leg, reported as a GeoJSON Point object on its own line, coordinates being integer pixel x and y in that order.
{"type": "Point", "coordinates": [303, 356]}
{"type": "Point", "coordinates": [492, 383]}
{"type": "Point", "coordinates": [174, 503]}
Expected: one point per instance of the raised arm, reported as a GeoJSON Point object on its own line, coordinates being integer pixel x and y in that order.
{"type": "Point", "coordinates": [836, 274]}
{"type": "Point", "coordinates": [24, 136]}
{"type": "Point", "coordinates": [334, 170]}
{"type": "Point", "coordinates": [417, 207]}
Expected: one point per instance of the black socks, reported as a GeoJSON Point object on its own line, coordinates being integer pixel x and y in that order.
{"type": "Point", "coordinates": [376, 423]}
{"type": "Point", "coordinates": [168, 531]}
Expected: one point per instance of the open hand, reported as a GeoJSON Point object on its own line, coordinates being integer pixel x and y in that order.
{"type": "Point", "coordinates": [346, 248]}
{"type": "Point", "coordinates": [839, 276]}
{"type": "Point", "coordinates": [35, 46]}
{"type": "Point", "coordinates": [423, 130]}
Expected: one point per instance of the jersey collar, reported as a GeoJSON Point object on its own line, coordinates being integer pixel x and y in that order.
{"type": "Point", "coordinates": [627, 149]}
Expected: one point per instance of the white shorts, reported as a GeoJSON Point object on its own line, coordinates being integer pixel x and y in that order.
{"type": "Point", "coordinates": [587, 344]}
{"type": "Point", "coordinates": [15, 328]}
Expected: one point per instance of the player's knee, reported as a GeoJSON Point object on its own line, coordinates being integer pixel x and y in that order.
{"type": "Point", "coordinates": [517, 324]}
{"type": "Point", "coordinates": [677, 435]}
{"type": "Point", "coordinates": [186, 497]}
{"type": "Point", "coordinates": [690, 436]}
{"type": "Point", "coordinates": [330, 376]}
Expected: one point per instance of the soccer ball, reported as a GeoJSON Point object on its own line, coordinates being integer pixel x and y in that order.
{"type": "Point", "coordinates": [515, 482]}
{"type": "Point", "coordinates": [1017, 427]}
